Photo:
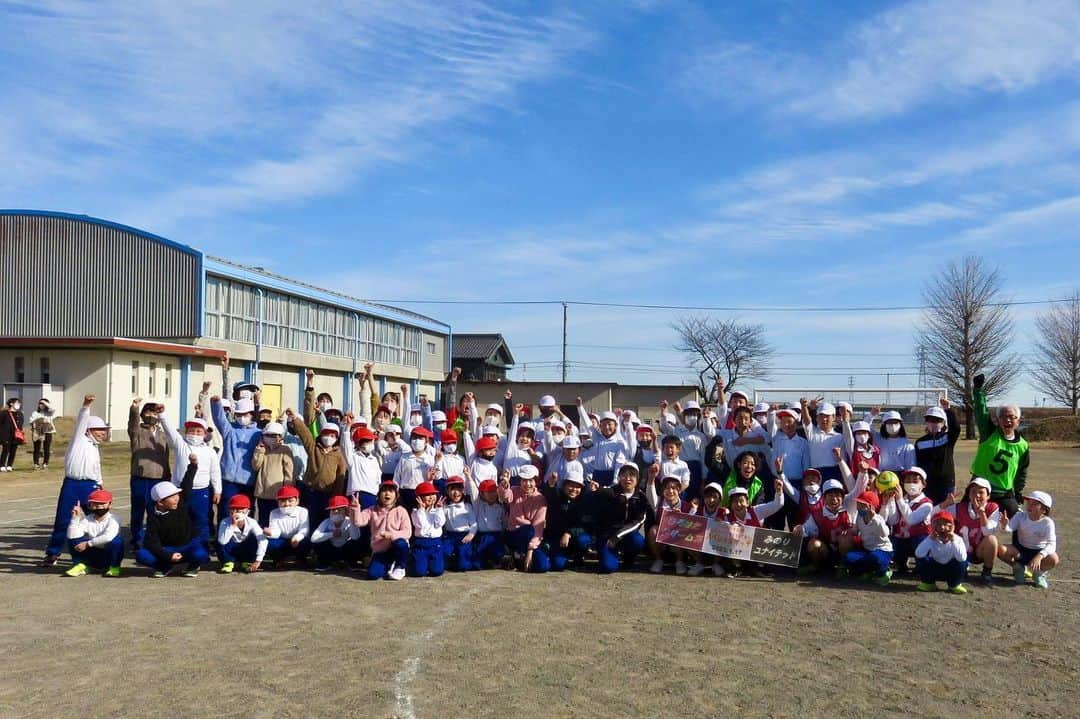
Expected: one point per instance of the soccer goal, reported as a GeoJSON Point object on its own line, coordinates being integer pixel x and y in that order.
{"type": "Point", "coordinates": [899, 398]}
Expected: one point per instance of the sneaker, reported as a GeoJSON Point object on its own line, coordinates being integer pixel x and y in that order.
{"type": "Point", "coordinates": [158, 574]}
{"type": "Point", "coordinates": [1019, 573]}
{"type": "Point", "coordinates": [680, 567]}
{"type": "Point", "coordinates": [76, 571]}
{"type": "Point", "coordinates": [926, 587]}
{"type": "Point", "coordinates": [397, 574]}
{"type": "Point", "coordinates": [697, 570]}
{"type": "Point", "coordinates": [112, 572]}
{"type": "Point", "coordinates": [882, 580]}
{"type": "Point", "coordinates": [1027, 573]}
{"type": "Point", "coordinates": [226, 568]}
{"type": "Point", "coordinates": [657, 566]}
{"type": "Point", "coordinates": [192, 571]}
{"type": "Point", "coordinates": [958, 589]}
{"type": "Point", "coordinates": [49, 560]}
{"type": "Point", "coordinates": [986, 579]}
{"type": "Point", "coordinates": [245, 566]}
{"type": "Point", "coordinates": [44, 466]}
{"type": "Point", "coordinates": [1041, 581]}
{"type": "Point", "coordinates": [37, 467]}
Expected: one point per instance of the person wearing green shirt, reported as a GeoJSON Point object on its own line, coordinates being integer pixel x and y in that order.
{"type": "Point", "coordinates": [1002, 458]}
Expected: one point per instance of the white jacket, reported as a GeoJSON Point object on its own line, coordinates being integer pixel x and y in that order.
{"type": "Point", "coordinates": [285, 526]}
{"type": "Point", "coordinates": [99, 531]}
{"type": "Point", "coordinates": [229, 533]}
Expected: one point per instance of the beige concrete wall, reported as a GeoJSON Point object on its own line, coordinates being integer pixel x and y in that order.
{"type": "Point", "coordinates": [79, 371]}
{"type": "Point", "coordinates": [643, 399]}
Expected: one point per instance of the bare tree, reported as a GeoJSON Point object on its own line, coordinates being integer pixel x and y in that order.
{"type": "Point", "coordinates": [966, 330]}
{"type": "Point", "coordinates": [1055, 367]}
{"type": "Point", "coordinates": [727, 349]}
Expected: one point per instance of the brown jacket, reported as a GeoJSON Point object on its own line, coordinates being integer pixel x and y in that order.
{"type": "Point", "coordinates": [273, 468]}
{"type": "Point", "coordinates": [149, 448]}
{"type": "Point", "coordinates": [326, 467]}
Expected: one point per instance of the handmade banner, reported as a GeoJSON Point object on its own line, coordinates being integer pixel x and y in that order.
{"type": "Point", "coordinates": [723, 539]}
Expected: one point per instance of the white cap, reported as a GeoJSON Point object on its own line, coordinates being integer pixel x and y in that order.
{"type": "Point", "coordinates": [490, 429]}
{"type": "Point", "coordinates": [395, 428]}
{"type": "Point", "coordinates": [574, 474]}
{"type": "Point", "coordinates": [740, 393]}
{"type": "Point", "coordinates": [691, 405]}
{"type": "Point", "coordinates": [95, 422]}
{"type": "Point", "coordinates": [274, 428]}
{"type": "Point", "coordinates": [330, 427]}
{"type": "Point", "coordinates": [669, 418]}
{"type": "Point", "coordinates": [633, 465]}
{"type": "Point", "coordinates": [715, 486]}
{"type": "Point", "coordinates": [198, 422]}
{"type": "Point", "coordinates": [226, 403]}
{"type": "Point", "coordinates": [608, 415]}
{"type": "Point", "coordinates": [244, 405]}
{"type": "Point", "coordinates": [634, 419]}
{"type": "Point", "coordinates": [528, 471]}
{"type": "Point", "coordinates": [547, 401]}
{"type": "Point", "coordinates": [361, 420]}
{"type": "Point", "coordinates": [936, 413]}
{"type": "Point", "coordinates": [493, 407]}
{"type": "Point", "coordinates": [831, 484]}
{"type": "Point", "coordinates": [979, 482]}
{"type": "Point", "coordinates": [161, 490]}
{"type": "Point", "coordinates": [571, 442]}
{"type": "Point", "coordinates": [845, 405]}
{"type": "Point", "coordinates": [436, 416]}
{"type": "Point", "coordinates": [788, 412]}
{"type": "Point", "coordinates": [1042, 498]}
{"type": "Point", "coordinates": [736, 491]}
{"type": "Point", "coordinates": [914, 470]}
{"type": "Point", "coordinates": [826, 408]}
{"type": "Point", "coordinates": [891, 416]}
{"type": "Point", "coordinates": [860, 426]}
{"type": "Point", "coordinates": [762, 408]}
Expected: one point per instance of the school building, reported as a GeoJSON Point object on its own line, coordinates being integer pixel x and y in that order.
{"type": "Point", "coordinates": [89, 306]}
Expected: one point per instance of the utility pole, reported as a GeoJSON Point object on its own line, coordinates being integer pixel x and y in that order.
{"type": "Point", "coordinates": [564, 342]}
{"type": "Point", "coordinates": [851, 385]}
{"type": "Point", "coordinates": [923, 399]}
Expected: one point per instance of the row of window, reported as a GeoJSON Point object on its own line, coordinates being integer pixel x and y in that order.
{"type": "Point", "coordinates": [151, 379]}
{"type": "Point", "coordinates": [232, 313]}
{"type": "Point", "coordinates": [43, 369]}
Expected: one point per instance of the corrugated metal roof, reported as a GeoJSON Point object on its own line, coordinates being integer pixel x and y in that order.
{"type": "Point", "coordinates": [480, 346]}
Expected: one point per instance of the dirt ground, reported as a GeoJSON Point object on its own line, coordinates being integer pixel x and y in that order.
{"type": "Point", "coordinates": [296, 644]}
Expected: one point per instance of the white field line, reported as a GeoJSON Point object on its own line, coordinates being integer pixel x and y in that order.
{"type": "Point", "coordinates": [50, 515]}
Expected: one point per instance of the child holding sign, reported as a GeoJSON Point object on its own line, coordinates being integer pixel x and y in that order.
{"type": "Point", "coordinates": [669, 499]}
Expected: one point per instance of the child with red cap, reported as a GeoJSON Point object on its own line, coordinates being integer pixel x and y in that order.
{"type": "Point", "coordinates": [336, 539]}
{"type": "Point", "coordinates": [489, 547]}
{"type": "Point", "coordinates": [95, 539]}
{"type": "Point", "coordinates": [288, 528]}
{"type": "Point", "coordinates": [365, 466]}
{"type": "Point", "coordinates": [448, 463]}
{"type": "Point", "coordinates": [428, 520]}
{"type": "Point", "coordinates": [942, 557]}
{"type": "Point", "coordinates": [240, 538]}
{"type": "Point", "coordinates": [390, 528]}
{"type": "Point", "coordinates": [414, 467]}
{"type": "Point", "coordinates": [872, 561]}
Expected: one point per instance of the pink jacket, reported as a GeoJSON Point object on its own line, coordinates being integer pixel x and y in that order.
{"type": "Point", "coordinates": [524, 510]}
{"type": "Point", "coordinates": [394, 520]}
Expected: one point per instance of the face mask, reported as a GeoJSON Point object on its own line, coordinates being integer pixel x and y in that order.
{"type": "Point", "coordinates": [324, 406]}
{"type": "Point", "coordinates": [913, 489]}
{"type": "Point", "coordinates": [416, 419]}
{"type": "Point", "coordinates": [891, 428]}
{"type": "Point", "coordinates": [193, 439]}
{"type": "Point", "coordinates": [440, 426]}
{"type": "Point", "coordinates": [558, 437]}
{"type": "Point", "coordinates": [99, 513]}
{"type": "Point", "coordinates": [365, 448]}
{"type": "Point", "coordinates": [691, 421]}
{"type": "Point", "coordinates": [862, 438]}
{"type": "Point", "coordinates": [491, 420]}
{"type": "Point", "coordinates": [586, 443]}
{"type": "Point", "coordinates": [327, 440]}
{"type": "Point", "coordinates": [418, 445]}
{"type": "Point", "coordinates": [811, 488]}
{"type": "Point", "coordinates": [244, 420]}
{"type": "Point", "coordinates": [449, 448]}
{"type": "Point", "coordinates": [648, 455]}
{"type": "Point", "coordinates": [290, 511]}
{"type": "Point", "coordinates": [150, 419]}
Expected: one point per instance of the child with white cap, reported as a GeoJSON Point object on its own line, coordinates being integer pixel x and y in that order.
{"type": "Point", "coordinates": [172, 536]}
{"type": "Point", "coordinates": [239, 439]}
{"type": "Point", "coordinates": [1034, 547]}
{"type": "Point", "coordinates": [817, 421]}
{"type": "Point", "coordinates": [618, 514]}
{"type": "Point", "coordinates": [829, 531]}
{"type": "Point", "coordinates": [934, 450]}
{"type": "Point", "coordinates": [609, 449]}
{"type": "Point", "coordinates": [725, 406]}
{"type": "Point", "coordinates": [941, 557]}
{"type": "Point", "coordinates": [908, 513]}
{"type": "Point", "coordinates": [740, 512]}
{"type": "Point", "coordinates": [565, 461]}
{"type": "Point", "coordinates": [82, 475]}
{"type": "Point", "coordinates": [272, 463]}
{"type": "Point", "coordinates": [525, 521]}
{"type": "Point", "coordinates": [977, 518]}
{"type": "Point", "coordinates": [692, 436]}
{"type": "Point", "coordinates": [391, 448]}
{"type": "Point", "coordinates": [860, 447]}
{"type": "Point", "coordinates": [240, 538]}
{"type": "Point", "coordinates": [668, 499]}
{"type": "Point", "coordinates": [788, 443]}
{"type": "Point", "coordinates": [94, 537]}
{"type": "Point", "coordinates": [519, 446]}
{"type": "Point", "coordinates": [206, 488]}
{"type": "Point", "coordinates": [897, 451]}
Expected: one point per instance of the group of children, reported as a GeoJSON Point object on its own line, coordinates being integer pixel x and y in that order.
{"type": "Point", "coordinates": [414, 491]}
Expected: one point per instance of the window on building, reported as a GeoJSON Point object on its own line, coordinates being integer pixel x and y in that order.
{"type": "Point", "coordinates": [431, 348]}
{"type": "Point", "coordinates": [168, 380]}
{"type": "Point", "coordinates": [150, 385]}
{"type": "Point", "coordinates": [134, 378]}
{"type": "Point", "coordinates": [45, 373]}
{"type": "Point", "coordinates": [20, 369]}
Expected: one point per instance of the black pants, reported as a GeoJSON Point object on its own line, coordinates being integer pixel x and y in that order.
{"type": "Point", "coordinates": [1007, 502]}
{"type": "Point", "coordinates": [7, 453]}
{"type": "Point", "coordinates": [42, 444]}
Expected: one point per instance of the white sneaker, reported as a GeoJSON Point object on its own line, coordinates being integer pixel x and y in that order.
{"type": "Point", "coordinates": [697, 570]}
{"type": "Point", "coordinates": [397, 574]}
{"type": "Point", "coordinates": [680, 568]}
{"type": "Point", "coordinates": [657, 566]}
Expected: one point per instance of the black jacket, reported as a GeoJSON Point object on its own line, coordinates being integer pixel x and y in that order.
{"type": "Point", "coordinates": [564, 515]}
{"type": "Point", "coordinates": [609, 512]}
{"type": "Point", "coordinates": [172, 528]}
{"type": "Point", "coordinates": [9, 424]}
{"type": "Point", "coordinates": [934, 454]}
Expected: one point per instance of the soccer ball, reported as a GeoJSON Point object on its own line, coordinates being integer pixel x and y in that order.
{"type": "Point", "coordinates": [885, 481]}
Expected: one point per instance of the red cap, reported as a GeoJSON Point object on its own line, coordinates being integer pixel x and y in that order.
{"type": "Point", "coordinates": [288, 492]}
{"type": "Point", "coordinates": [100, 495]}
{"type": "Point", "coordinates": [870, 498]}
{"type": "Point", "coordinates": [362, 434]}
{"type": "Point", "coordinates": [945, 515]}
{"type": "Point", "coordinates": [388, 484]}
{"type": "Point", "coordinates": [425, 488]}
{"type": "Point", "coordinates": [488, 485]}
{"type": "Point", "coordinates": [455, 480]}
{"type": "Point", "coordinates": [448, 435]}
{"type": "Point", "coordinates": [487, 442]}
{"type": "Point", "coordinates": [239, 501]}
{"type": "Point", "coordinates": [811, 470]}
{"type": "Point", "coordinates": [421, 432]}
{"type": "Point", "coordinates": [643, 428]}
{"type": "Point", "coordinates": [337, 502]}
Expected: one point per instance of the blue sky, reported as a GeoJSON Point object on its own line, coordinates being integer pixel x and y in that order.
{"type": "Point", "coordinates": [736, 154]}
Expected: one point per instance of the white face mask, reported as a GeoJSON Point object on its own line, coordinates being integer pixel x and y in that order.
{"type": "Point", "coordinates": [365, 448]}
{"type": "Point", "coordinates": [811, 488]}
{"type": "Point", "coordinates": [892, 428]}
{"type": "Point", "coordinates": [913, 489]}
{"type": "Point", "coordinates": [491, 420]}
{"type": "Point", "coordinates": [416, 419]}
{"type": "Point", "coordinates": [558, 436]}
{"type": "Point", "coordinates": [328, 440]}
{"type": "Point", "coordinates": [194, 439]}
{"type": "Point", "coordinates": [440, 426]}
{"type": "Point", "coordinates": [691, 421]}
{"type": "Point", "coordinates": [325, 406]}
{"type": "Point", "coordinates": [290, 511]}
{"type": "Point", "coordinates": [418, 445]}
{"type": "Point", "coordinates": [244, 420]}
{"type": "Point", "coordinates": [449, 448]}
{"type": "Point", "coordinates": [862, 438]}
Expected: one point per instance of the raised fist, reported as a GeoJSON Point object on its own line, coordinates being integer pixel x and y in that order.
{"type": "Point", "coordinates": [978, 381]}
